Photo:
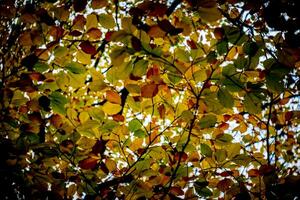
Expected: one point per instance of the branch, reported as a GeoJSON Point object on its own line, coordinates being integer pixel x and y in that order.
{"type": "Point", "coordinates": [173, 6]}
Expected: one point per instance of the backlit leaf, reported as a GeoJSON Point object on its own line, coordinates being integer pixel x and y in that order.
{"type": "Point", "coordinates": [111, 108]}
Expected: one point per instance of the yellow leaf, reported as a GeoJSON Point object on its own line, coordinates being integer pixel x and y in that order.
{"type": "Point", "coordinates": [113, 97]}
{"type": "Point", "coordinates": [83, 57]}
{"type": "Point", "coordinates": [84, 116]}
{"type": "Point", "coordinates": [231, 54]}
{"type": "Point", "coordinates": [111, 108]}
{"type": "Point", "coordinates": [91, 21]}
{"type": "Point", "coordinates": [111, 165]}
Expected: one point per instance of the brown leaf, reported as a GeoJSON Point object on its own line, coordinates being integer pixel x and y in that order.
{"type": "Point", "coordinates": [224, 184]}
{"type": "Point", "coordinates": [88, 163]}
{"type": "Point", "coordinates": [177, 191]}
{"type": "Point", "coordinates": [162, 111]}
{"type": "Point", "coordinates": [94, 33]}
{"type": "Point", "coordinates": [96, 4]}
{"type": "Point", "coordinates": [155, 31]}
{"type": "Point", "coordinates": [56, 120]}
{"type": "Point", "coordinates": [253, 173]}
{"type": "Point", "coordinates": [88, 48]}
{"type": "Point", "coordinates": [149, 90]}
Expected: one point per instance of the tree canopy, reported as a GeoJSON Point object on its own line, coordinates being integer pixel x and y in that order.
{"type": "Point", "coordinates": [141, 99]}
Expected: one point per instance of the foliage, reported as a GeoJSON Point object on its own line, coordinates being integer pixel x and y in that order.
{"type": "Point", "coordinates": [113, 99]}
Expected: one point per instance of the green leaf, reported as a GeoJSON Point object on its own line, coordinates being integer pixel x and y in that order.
{"type": "Point", "coordinates": [107, 21]}
{"type": "Point", "coordinates": [224, 138]}
{"type": "Point", "coordinates": [250, 48]}
{"type": "Point", "coordinates": [252, 103]}
{"type": "Point", "coordinates": [207, 121]}
{"type": "Point", "coordinates": [40, 67]}
{"type": "Point", "coordinates": [222, 47]}
{"type": "Point", "coordinates": [134, 125]}
{"type": "Point", "coordinates": [225, 98]}
{"type": "Point", "coordinates": [203, 192]}
{"type": "Point", "coordinates": [58, 102]}
{"type": "Point", "coordinates": [205, 150]}
{"type": "Point", "coordinates": [220, 155]}
{"type": "Point", "coordinates": [139, 133]}
{"type": "Point", "coordinates": [241, 62]}
{"type": "Point", "coordinates": [75, 68]}
{"type": "Point", "coordinates": [140, 68]}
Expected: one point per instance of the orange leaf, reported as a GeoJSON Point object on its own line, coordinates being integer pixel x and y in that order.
{"type": "Point", "coordinates": [156, 32]}
{"type": "Point", "coordinates": [94, 33]}
{"type": "Point", "coordinates": [149, 90]}
{"type": "Point", "coordinates": [253, 173]}
{"type": "Point", "coordinates": [113, 97]}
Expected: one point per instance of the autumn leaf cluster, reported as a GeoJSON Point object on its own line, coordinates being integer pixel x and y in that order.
{"type": "Point", "coordinates": [141, 99]}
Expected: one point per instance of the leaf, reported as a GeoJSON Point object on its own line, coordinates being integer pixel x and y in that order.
{"type": "Point", "coordinates": [94, 33]}
{"type": "Point", "coordinates": [79, 5]}
{"type": "Point", "coordinates": [224, 138]}
{"type": "Point", "coordinates": [149, 90]}
{"type": "Point", "coordinates": [113, 97]}
{"type": "Point", "coordinates": [252, 104]}
{"type": "Point", "coordinates": [91, 21]}
{"type": "Point", "coordinates": [220, 155]}
{"type": "Point", "coordinates": [75, 68]}
{"type": "Point", "coordinates": [111, 108]}
{"type": "Point", "coordinates": [140, 133]}
{"type": "Point", "coordinates": [96, 4]}
{"type": "Point", "coordinates": [224, 184]}
{"type": "Point", "coordinates": [40, 67]}
{"type": "Point", "coordinates": [134, 125]}
{"type": "Point", "coordinates": [58, 102]}
{"type": "Point", "coordinates": [88, 48]}
{"type": "Point", "coordinates": [207, 121]}
{"type": "Point", "coordinates": [88, 163]}
{"type": "Point", "coordinates": [204, 192]}
{"type": "Point", "coordinates": [225, 98]}
{"type": "Point", "coordinates": [205, 150]}
{"type": "Point", "coordinates": [107, 21]}
{"type": "Point", "coordinates": [209, 14]}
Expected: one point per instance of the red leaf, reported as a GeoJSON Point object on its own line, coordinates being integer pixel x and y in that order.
{"type": "Point", "coordinates": [149, 90]}
{"type": "Point", "coordinates": [136, 43]}
{"type": "Point", "coordinates": [88, 163]}
{"type": "Point", "coordinates": [192, 44]}
{"type": "Point", "coordinates": [79, 5]}
{"type": "Point", "coordinates": [75, 33]}
{"type": "Point", "coordinates": [288, 116]}
{"type": "Point", "coordinates": [177, 191]}
{"type": "Point", "coordinates": [88, 48]}
{"type": "Point", "coordinates": [226, 173]}
{"type": "Point", "coordinates": [183, 158]}
{"type": "Point", "coordinates": [99, 147]}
